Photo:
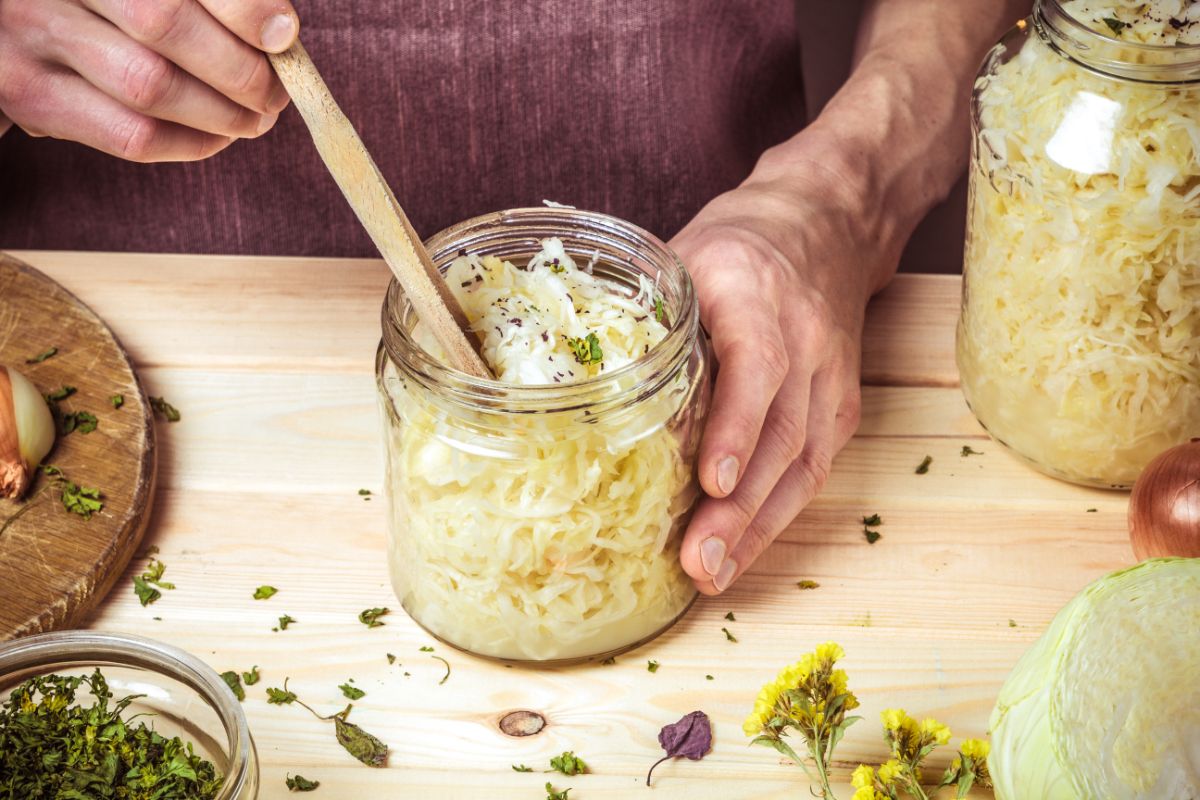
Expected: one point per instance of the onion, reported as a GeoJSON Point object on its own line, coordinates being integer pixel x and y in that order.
{"type": "Point", "coordinates": [1164, 509]}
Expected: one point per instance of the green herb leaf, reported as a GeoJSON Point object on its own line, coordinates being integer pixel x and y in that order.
{"type": "Point", "coordinates": [807, 584]}
{"type": "Point", "coordinates": [729, 635]}
{"type": "Point", "coordinates": [652, 666]}
{"type": "Point", "coordinates": [164, 409]}
{"type": "Point", "coordinates": [660, 311]}
{"type": "Point", "coordinates": [284, 621]}
{"type": "Point", "coordinates": [360, 744]}
{"type": "Point", "coordinates": [587, 349]}
{"type": "Point", "coordinates": [364, 492]}
{"type": "Point", "coordinates": [873, 521]}
{"type": "Point", "coordinates": [729, 616]}
{"type": "Point", "coordinates": [872, 536]}
{"type": "Point", "coordinates": [370, 617]}
{"type": "Point", "coordinates": [708, 677]}
{"type": "Point", "coordinates": [42, 356]}
{"type": "Point", "coordinates": [426, 649]}
{"type": "Point", "coordinates": [251, 677]}
{"type": "Point", "coordinates": [60, 394]}
{"type": "Point", "coordinates": [234, 682]}
{"type": "Point", "coordinates": [146, 593]}
{"type": "Point", "coordinates": [80, 421]}
{"type": "Point", "coordinates": [923, 467]}
{"type": "Point", "coordinates": [265, 592]}
{"type": "Point", "coordinates": [81, 500]}
{"type": "Point", "coordinates": [299, 783]}
{"type": "Point", "coordinates": [521, 768]}
{"type": "Point", "coordinates": [1115, 25]}
{"type": "Point", "coordinates": [280, 697]}
{"type": "Point", "coordinates": [968, 451]}
{"type": "Point", "coordinates": [352, 692]}
{"type": "Point", "coordinates": [568, 764]}
{"type": "Point", "coordinates": [553, 795]}
{"type": "Point", "coordinates": [117, 400]}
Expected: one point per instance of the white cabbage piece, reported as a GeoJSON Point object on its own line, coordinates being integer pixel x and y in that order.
{"type": "Point", "coordinates": [1106, 704]}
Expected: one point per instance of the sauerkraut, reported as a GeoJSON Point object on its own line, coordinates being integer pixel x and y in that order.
{"type": "Point", "coordinates": [551, 535]}
{"type": "Point", "coordinates": [1079, 343]}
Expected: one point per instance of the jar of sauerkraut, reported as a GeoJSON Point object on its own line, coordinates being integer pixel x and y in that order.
{"type": "Point", "coordinates": [538, 516]}
{"type": "Point", "coordinates": [1079, 340]}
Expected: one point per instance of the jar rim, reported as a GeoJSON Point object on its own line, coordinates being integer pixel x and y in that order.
{"type": "Point", "coordinates": [662, 359]}
{"type": "Point", "coordinates": [1100, 52]}
{"type": "Point", "coordinates": [82, 647]}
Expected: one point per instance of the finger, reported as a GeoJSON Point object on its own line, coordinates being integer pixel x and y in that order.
{"type": "Point", "coordinates": [145, 81]}
{"type": "Point", "coordinates": [185, 33]}
{"type": "Point", "coordinates": [5, 124]}
{"type": "Point", "coordinates": [63, 105]}
{"type": "Point", "coordinates": [270, 25]}
{"type": "Point", "coordinates": [717, 527]}
{"type": "Point", "coordinates": [831, 412]}
{"type": "Point", "coordinates": [753, 363]}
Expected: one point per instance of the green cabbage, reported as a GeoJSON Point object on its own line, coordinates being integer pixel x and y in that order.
{"type": "Point", "coordinates": [1106, 704]}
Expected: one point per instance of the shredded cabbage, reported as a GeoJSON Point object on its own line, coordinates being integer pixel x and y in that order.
{"type": "Point", "coordinates": [1079, 343]}
{"type": "Point", "coordinates": [1106, 704]}
{"type": "Point", "coordinates": [542, 536]}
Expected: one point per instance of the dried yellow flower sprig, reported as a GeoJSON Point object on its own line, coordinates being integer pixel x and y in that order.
{"type": "Point", "coordinates": [811, 697]}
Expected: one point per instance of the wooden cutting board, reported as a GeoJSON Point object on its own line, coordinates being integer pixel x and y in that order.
{"type": "Point", "coordinates": [56, 566]}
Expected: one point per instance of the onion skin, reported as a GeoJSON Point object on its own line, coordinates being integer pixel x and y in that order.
{"type": "Point", "coordinates": [14, 472]}
{"type": "Point", "coordinates": [1164, 508]}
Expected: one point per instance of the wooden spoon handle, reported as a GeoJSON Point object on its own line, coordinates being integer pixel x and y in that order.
{"type": "Point", "coordinates": [376, 207]}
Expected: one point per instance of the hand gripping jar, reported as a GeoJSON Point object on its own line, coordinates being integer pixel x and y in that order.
{"type": "Point", "coordinates": [1079, 339]}
{"type": "Point", "coordinates": [542, 523]}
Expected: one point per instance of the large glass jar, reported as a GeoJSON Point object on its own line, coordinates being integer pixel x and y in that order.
{"type": "Point", "coordinates": [1079, 340]}
{"type": "Point", "coordinates": [542, 523]}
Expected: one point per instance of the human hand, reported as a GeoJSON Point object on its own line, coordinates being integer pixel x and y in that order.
{"type": "Point", "coordinates": [783, 269]}
{"type": "Point", "coordinates": [146, 80]}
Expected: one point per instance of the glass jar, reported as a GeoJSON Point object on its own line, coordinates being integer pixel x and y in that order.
{"type": "Point", "coordinates": [1079, 339]}
{"type": "Point", "coordinates": [543, 523]}
{"type": "Point", "coordinates": [177, 693]}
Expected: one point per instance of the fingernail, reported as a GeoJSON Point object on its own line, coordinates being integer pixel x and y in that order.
{"type": "Point", "coordinates": [712, 554]}
{"type": "Point", "coordinates": [725, 576]}
{"type": "Point", "coordinates": [266, 122]}
{"type": "Point", "coordinates": [278, 32]}
{"type": "Point", "coordinates": [727, 474]}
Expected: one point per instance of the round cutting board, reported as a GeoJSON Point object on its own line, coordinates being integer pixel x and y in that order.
{"type": "Point", "coordinates": [56, 566]}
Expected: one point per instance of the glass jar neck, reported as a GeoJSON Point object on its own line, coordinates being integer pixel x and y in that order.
{"type": "Point", "coordinates": [1109, 55]}
{"type": "Point", "coordinates": [621, 252]}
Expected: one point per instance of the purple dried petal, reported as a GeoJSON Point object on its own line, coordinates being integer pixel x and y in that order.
{"type": "Point", "coordinates": [691, 738]}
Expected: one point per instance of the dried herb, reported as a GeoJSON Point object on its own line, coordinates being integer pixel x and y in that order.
{"type": "Point", "coordinates": [872, 521]}
{"type": "Point", "coordinates": [117, 400]}
{"type": "Point", "coordinates": [708, 677]}
{"type": "Point", "coordinates": [1012, 623]}
{"type": "Point", "coordinates": [553, 795]}
{"type": "Point", "coordinates": [652, 666]}
{"type": "Point", "coordinates": [1115, 25]}
{"type": "Point", "coordinates": [265, 592]}
{"type": "Point", "coordinates": [284, 621]}
{"type": "Point", "coordinates": [691, 738]}
{"type": "Point", "coordinates": [77, 421]}
{"type": "Point", "coordinates": [364, 492]}
{"type": "Point", "coordinates": [280, 697]}
{"type": "Point", "coordinates": [923, 467]}
{"type": "Point", "coordinates": [660, 311]}
{"type": "Point", "coordinates": [42, 356]}
{"type": "Point", "coordinates": [357, 742]}
{"type": "Point", "coordinates": [426, 649]}
{"type": "Point", "coordinates": [234, 682]}
{"type": "Point", "coordinates": [352, 692]}
{"type": "Point", "coordinates": [60, 394]}
{"type": "Point", "coordinates": [586, 349]}
{"type": "Point", "coordinates": [521, 768]}
{"type": "Point", "coordinates": [445, 677]}
{"type": "Point", "coordinates": [81, 500]}
{"type": "Point", "coordinates": [250, 678]}
{"type": "Point", "coordinates": [391, 658]}
{"type": "Point", "coordinates": [967, 451]}
{"type": "Point", "coordinates": [55, 748]}
{"type": "Point", "coordinates": [370, 617]}
{"type": "Point", "coordinates": [872, 536]}
{"type": "Point", "coordinates": [1092, 510]}
{"type": "Point", "coordinates": [729, 635]}
{"type": "Point", "coordinates": [568, 763]}
{"type": "Point", "coordinates": [299, 783]}
{"type": "Point", "coordinates": [146, 593]}
{"type": "Point", "coordinates": [807, 584]}
{"type": "Point", "coordinates": [164, 409]}
{"type": "Point", "coordinates": [731, 617]}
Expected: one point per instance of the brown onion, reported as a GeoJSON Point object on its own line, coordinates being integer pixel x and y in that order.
{"type": "Point", "coordinates": [1164, 509]}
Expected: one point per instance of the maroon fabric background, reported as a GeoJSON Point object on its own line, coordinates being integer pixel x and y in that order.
{"type": "Point", "coordinates": [643, 110]}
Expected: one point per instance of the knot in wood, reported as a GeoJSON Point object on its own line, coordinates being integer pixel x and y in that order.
{"type": "Point", "coordinates": [522, 723]}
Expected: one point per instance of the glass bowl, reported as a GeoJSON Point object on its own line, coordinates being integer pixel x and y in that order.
{"type": "Point", "coordinates": [182, 695]}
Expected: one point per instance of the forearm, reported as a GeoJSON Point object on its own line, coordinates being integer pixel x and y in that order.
{"type": "Point", "coordinates": [894, 139]}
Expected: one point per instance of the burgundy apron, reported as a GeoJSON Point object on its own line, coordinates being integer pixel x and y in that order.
{"type": "Point", "coordinates": [645, 110]}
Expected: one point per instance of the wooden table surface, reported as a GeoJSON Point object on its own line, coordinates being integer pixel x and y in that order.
{"type": "Point", "coordinates": [270, 363]}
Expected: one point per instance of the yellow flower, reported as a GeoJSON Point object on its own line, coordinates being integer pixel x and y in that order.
{"type": "Point", "coordinates": [976, 749]}
{"type": "Point", "coordinates": [895, 719]}
{"type": "Point", "coordinates": [890, 771]}
{"type": "Point", "coordinates": [868, 793]}
{"type": "Point", "coordinates": [934, 731]}
{"type": "Point", "coordinates": [829, 652]}
{"type": "Point", "coordinates": [863, 777]}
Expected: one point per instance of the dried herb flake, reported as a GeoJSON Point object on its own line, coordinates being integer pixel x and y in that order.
{"type": "Point", "coordinates": [42, 356]}
{"type": "Point", "coordinates": [370, 616]}
{"type": "Point", "coordinates": [299, 783]}
{"type": "Point", "coordinates": [568, 763]}
{"type": "Point", "coordinates": [265, 592]}
{"type": "Point", "coordinates": [164, 409]}
{"type": "Point", "coordinates": [234, 682]}
{"type": "Point", "coordinates": [352, 692]}
{"type": "Point", "coordinates": [923, 467]}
